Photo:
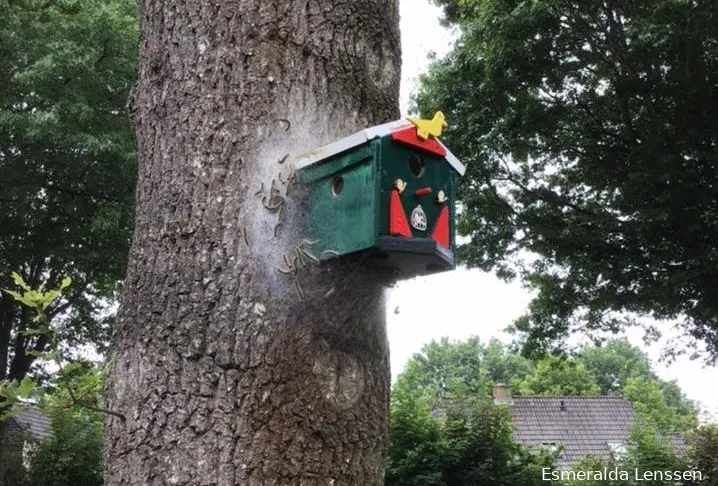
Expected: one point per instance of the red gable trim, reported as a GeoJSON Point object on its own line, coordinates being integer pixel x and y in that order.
{"type": "Point", "coordinates": [409, 137]}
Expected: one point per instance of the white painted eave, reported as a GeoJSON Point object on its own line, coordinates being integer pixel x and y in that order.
{"type": "Point", "coordinates": [359, 138]}
{"type": "Point", "coordinates": [453, 160]}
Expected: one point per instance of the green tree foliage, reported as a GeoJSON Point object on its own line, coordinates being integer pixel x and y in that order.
{"type": "Point", "coordinates": [557, 376]}
{"type": "Point", "coordinates": [704, 453]}
{"type": "Point", "coordinates": [467, 368]}
{"type": "Point", "coordinates": [414, 436]}
{"type": "Point", "coordinates": [611, 365]}
{"type": "Point", "coordinates": [14, 468]}
{"type": "Point", "coordinates": [447, 367]}
{"type": "Point", "coordinates": [67, 163]}
{"type": "Point", "coordinates": [589, 129]}
{"type": "Point", "coordinates": [438, 433]}
{"type": "Point", "coordinates": [647, 452]}
{"type": "Point", "coordinates": [651, 450]}
{"type": "Point", "coordinates": [649, 401]}
{"type": "Point", "coordinates": [503, 365]}
{"type": "Point", "coordinates": [677, 401]}
{"type": "Point", "coordinates": [72, 456]}
{"type": "Point", "coordinates": [460, 441]}
{"type": "Point", "coordinates": [620, 368]}
{"type": "Point", "coordinates": [81, 381]}
{"type": "Point", "coordinates": [37, 301]}
{"type": "Point", "coordinates": [444, 430]}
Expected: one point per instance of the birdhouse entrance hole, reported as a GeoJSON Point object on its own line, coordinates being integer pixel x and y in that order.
{"type": "Point", "coordinates": [416, 165]}
{"type": "Point", "coordinates": [337, 185]}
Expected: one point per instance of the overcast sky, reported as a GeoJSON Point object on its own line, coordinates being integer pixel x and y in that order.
{"type": "Point", "coordinates": [464, 302]}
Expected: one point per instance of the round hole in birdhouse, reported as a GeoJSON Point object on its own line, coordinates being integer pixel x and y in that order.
{"type": "Point", "coordinates": [337, 185]}
{"type": "Point", "coordinates": [416, 165]}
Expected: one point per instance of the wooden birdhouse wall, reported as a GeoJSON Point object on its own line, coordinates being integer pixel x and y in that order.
{"type": "Point", "coordinates": [342, 207]}
{"type": "Point", "coordinates": [420, 171]}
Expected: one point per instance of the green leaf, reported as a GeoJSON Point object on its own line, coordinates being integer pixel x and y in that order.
{"type": "Point", "coordinates": [71, 367]}
{"type": "Point", "coordinates": [13, 294]}
{"type": "Point", "coordinates": [49, 297]}
{"type": "Point", "coordinates": [66, 282]}
{"type": "Point", "coordinates": [25, 388]}
{"type": "Point", "coordinates": [35, 332]}
{"type": "Point", "coordinates": [19, 281]}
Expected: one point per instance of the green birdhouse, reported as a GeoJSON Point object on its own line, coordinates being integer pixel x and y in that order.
{"type": "Point", "coordinates": [390, 189]}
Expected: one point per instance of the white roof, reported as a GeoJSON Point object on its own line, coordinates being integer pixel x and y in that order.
{"type": "Point", "coordinates": [359, 138]}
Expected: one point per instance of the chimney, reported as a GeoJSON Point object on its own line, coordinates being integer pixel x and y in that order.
{"type": "Point", "coordinates": [502, 394]}
{"type": "Point", "coordinates": [563, 406]}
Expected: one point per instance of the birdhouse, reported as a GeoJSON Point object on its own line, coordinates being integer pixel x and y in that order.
{"type": "Point", "coordinates": [390, 189]}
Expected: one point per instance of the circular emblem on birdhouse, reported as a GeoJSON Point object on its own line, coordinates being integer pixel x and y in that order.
{"type": "Point", "coordinates": [418, 218]}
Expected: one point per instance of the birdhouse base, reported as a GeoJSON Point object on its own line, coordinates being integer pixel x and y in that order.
{"type": "Point", "coordinates": [415, 256]}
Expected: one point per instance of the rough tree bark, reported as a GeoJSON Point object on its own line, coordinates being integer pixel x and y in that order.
{"type": "Point", "coordinates": [226, 370]}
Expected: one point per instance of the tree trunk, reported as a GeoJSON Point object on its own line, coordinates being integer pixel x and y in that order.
{"type": "Point", "coordinates": [226, 370]}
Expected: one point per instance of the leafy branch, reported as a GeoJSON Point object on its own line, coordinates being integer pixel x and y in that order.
{"type": "Point", "coordinates": [40, 301]}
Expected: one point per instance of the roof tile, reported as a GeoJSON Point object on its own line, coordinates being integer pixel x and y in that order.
{"type": "Point", "coordinates": [584, 426]}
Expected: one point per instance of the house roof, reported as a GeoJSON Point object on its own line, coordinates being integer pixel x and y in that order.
{"type": "Point", "coordinates": [35, 422]}
{"type": "Point", "coordinates": [359, 138]}
{"type": "Point", "coordinates": [583, 426]}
